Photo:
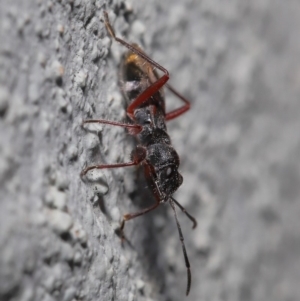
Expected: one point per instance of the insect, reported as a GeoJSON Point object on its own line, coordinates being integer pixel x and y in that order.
{"type": "Point", "coordinates": [143, 90]}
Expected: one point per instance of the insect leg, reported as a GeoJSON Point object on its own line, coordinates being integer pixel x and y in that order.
{"type": "Point", "coordinates": [131, 47]}
{"type": "Point", "coordinates": [145, 95]}
{"type": "Point", "coordinates": [177, 112]}
{"type": "Point", "coordinates": [130, 216]}
{"type": "Point", "coordinates": [133, 128]}
{"type": "Point", "coordinates": [138, 155]}
{"type": "Point", "coordinates": [104, 166]}
{"type": "Point", "coordinates": [186, 213]}
{"type": "Point", "coordinates": [187, 263]}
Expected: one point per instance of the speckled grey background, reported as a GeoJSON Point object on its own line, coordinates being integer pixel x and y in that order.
{"type": "Point", "coordinates": [238, 63]}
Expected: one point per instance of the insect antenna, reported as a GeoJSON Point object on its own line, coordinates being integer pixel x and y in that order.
{"type": "Point", "coordinates": [186, 213]}
{"type": "Point", "coordinates": [187, 263]}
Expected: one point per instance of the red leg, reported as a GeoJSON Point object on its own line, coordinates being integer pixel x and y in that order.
{"type": "Point", "coordinates": [138, 155]}
{"type": "Point", "coordinates": [131, 47]}
{"type": "Point", "coordinates": [158, 199]}
{"type": "Point", "coordinates": [104, 166]}
{"type": "Point", "coordinates": [177, 112]}
{"type": "Point", "coordinates": [130, 216]}
{"type": "Point", "coordinates": [134, 129]}
{"type": "Point", "coordinates": [147, 94]}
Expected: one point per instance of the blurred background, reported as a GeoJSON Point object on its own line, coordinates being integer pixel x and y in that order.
{"type": "Point", "coordinates": [238, 63]}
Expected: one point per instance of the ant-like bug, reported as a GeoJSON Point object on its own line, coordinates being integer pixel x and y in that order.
{"type": "Point", "coordinates": [142, 88]}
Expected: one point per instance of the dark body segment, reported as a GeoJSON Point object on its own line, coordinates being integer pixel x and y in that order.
{"type": "Point", "coordinates": [135, 77]}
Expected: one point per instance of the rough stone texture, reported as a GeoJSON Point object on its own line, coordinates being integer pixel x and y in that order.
{"type": "Point", "coordinates": [238, 62]}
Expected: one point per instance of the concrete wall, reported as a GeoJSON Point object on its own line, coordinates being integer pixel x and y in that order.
{"type": "Point", "coordinates": [238, 63]}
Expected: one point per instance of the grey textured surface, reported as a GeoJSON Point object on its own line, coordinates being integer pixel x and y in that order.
{"type": "Point", "coordinates": [238, 62]}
